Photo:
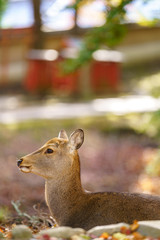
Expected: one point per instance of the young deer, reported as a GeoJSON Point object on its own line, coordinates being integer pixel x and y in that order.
{"type": "Point", "coordinates": [70, 205]}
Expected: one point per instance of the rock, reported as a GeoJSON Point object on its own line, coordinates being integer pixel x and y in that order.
{"type": "Point", "coordinates": [21, 232]}
{"type": "Point", "coordinates": [150, 228]}
{"type": "Point", "coordinates": [146, 228]}
{"type": "Point", "coordinates": [62, 232]}
{"type": "Point", "coordinates": [97, 231]}
{"type": "Point", "coordinates": [77, 237]}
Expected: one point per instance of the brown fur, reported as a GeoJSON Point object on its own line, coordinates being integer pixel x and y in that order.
{"type": "Point", "coordinates": [69, 204]}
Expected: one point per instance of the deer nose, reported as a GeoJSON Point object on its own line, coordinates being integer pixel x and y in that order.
{"type": "Point", "coordinates": [19, 162]}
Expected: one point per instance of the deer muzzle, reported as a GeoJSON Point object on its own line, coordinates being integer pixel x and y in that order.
{"type": "Point", "coordinates": [22, 167]}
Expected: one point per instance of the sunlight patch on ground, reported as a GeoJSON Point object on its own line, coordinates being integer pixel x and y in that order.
{"type": "Point", "coordinates": [97, 107]}
{"type": "Point", "coordinates": [128, 104]}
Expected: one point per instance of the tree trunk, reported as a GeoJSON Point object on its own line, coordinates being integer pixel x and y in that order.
{"type": "Point", "coordinates": [39, 36]}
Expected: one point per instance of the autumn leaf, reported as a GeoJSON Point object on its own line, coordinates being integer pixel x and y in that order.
{"type": "Point", "coordinates": [104, 235]}
{"type": "Point", "coordinates": [134, 226]}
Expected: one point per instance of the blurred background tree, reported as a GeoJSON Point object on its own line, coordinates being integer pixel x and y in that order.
{"type": "Point", "coordinates": [108, 35]}
{"type": "Point", "coordinates": [39, 36]}
{"type": "Point", "coordinates": [55, 25]}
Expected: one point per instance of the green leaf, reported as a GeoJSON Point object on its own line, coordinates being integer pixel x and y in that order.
{"type": "Point", "coordinates": [110, 34]}
{"type": "Point", "coordinates": [3, 6]}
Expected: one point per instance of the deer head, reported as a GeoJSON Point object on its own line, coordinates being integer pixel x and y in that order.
{"type": "Point", "coordinates": [54, 157]}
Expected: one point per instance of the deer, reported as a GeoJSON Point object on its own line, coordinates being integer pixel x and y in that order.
{"type": "Point", "coordinates": [57, 161]}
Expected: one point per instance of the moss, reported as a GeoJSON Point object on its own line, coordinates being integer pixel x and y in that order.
{"type": "Point", "coordinates": [21, 232]}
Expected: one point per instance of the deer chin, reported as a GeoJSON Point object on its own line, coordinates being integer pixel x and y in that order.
{"type": "Point", "coordinates": [25, 169]}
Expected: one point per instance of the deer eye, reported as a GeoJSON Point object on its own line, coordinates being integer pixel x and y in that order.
{"type": "Point", "coordinates": [49, 150]}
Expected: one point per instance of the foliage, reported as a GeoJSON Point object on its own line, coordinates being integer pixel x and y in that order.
{"type": "Point", "coordinates": [153, 167]}
{"type": "Point", "coordinates": [4, 214]}
{"type": "Point", "coordinates": [150, 84]}
{"type": "Point", "coordinates": [3, 5]}
{"type": "Point", "coordinates": [109, 34]}
{"type": "Point", "coordinates": [36, 222]}
{"type": "Point", "coordinates": [16, 206]}
{"type": "Point", "coordinates": [154, 124]}
{"type": "Point", "coordinates": [146, 123]}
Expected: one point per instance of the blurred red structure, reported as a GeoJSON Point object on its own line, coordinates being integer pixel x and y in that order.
{"type": "Point", "coordinates": [105, 71]}
{"type": "Point", "coordinates": [66, 83]}
{"type": "Point", "coordinates": [39, 76]}
{"type": "Point", "coordinates": [44, 73]}
{"type": "Point", "coordinates": [105, 76]}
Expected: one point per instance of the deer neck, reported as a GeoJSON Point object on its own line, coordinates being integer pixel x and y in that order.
{"type": "Point", "coordinates": [63, 194]}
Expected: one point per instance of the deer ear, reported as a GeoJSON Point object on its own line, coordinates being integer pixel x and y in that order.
{"type": "Point", "coordinates": [76, 139]}
{"type": "Point", "coordinates": [63, 134]}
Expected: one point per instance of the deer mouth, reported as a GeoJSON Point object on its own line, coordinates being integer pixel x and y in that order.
{"type": "Point", "coordinates": [25, 169]}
